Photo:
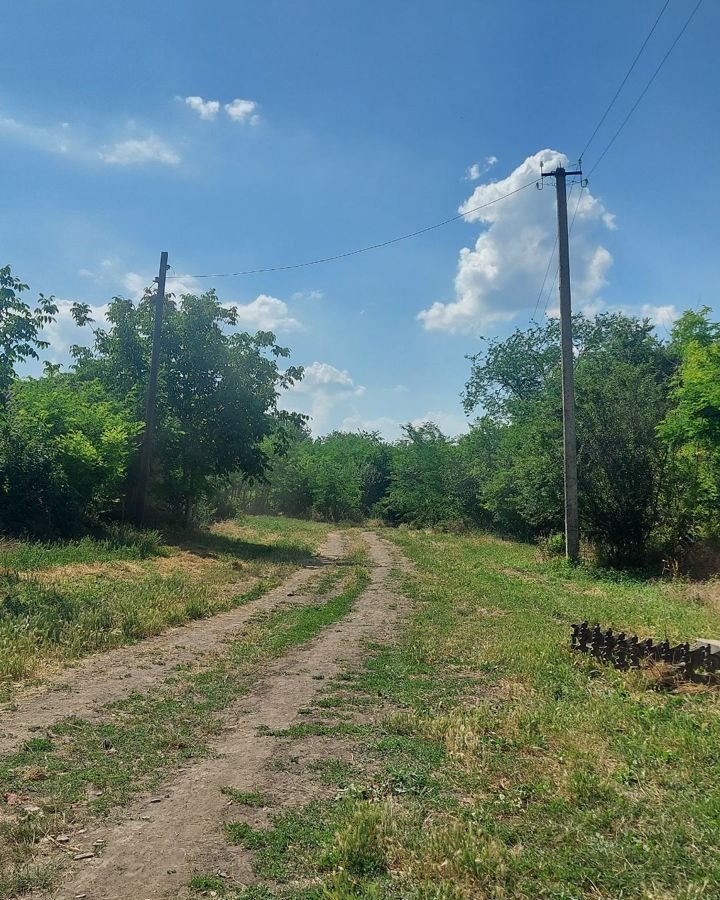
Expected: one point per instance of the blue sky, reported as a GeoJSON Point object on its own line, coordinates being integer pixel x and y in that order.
{"type": "Point", "coordinates": [362, 121]}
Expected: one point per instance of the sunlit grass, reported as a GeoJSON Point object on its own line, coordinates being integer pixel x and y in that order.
{"type": "Point", "coordinates": [60, 602]}
{"type": "Point", "coordinates": [509, 767]}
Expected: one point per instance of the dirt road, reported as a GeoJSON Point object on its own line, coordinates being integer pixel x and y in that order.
{"type": "Point", "coordinates": [162, 841]}
{"type": "Point", "coordinates": [83, 690]}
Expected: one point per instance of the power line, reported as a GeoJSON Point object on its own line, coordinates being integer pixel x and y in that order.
{"type": "Point", "coordinates": [324, 259]}
{"type": "Point", "coordinates": [647, 86]}
{"type": "Point", "coordinates": [544, 281]}
{"type": "Point", "coordinates": [624, 81]}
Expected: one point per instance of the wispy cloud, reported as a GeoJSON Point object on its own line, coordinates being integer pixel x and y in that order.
{"type": "Point", "coordinates": [477, 170]}
{"type": "Point", "coordinates": [74, 143]}
{"type": "Point", "coordinates": [137, 151]}
{"type": "Point", "coordinates": [54, 139]}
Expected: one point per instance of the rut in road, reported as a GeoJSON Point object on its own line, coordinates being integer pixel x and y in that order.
{"type": "Point", "coordinates": [159, 846]}
{"type": "Point", "coordinates": [83, 690]}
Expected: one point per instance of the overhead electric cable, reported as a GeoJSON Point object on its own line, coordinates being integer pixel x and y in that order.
{"type": "Point", "coordinates": [544, 281]}
{"type": "Point", "coordinates": [647, 86]}
{"type": "Point", "coordinates": [624, 81]}
{"type": "Point", "coordinates": [324, 259]}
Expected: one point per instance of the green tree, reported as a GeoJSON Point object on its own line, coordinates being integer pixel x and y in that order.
{"type": "Point", "coordinates": [217, 393]}
{"type": "Point", "coordinates": [692, 426]}
{"type": "Point", "coordinates": [424, 479]}
{"type": "Point", "coordinates": [20, 325]}
{"type": "Point", "coordinates": [623, 374]}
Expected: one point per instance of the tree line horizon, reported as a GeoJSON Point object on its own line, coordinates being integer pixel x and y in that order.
{"type": "Point", "coordinates": [648, 428]}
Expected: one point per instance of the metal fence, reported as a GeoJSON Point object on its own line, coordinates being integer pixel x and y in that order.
{"type": "Point", "coordinates": [629, 652]}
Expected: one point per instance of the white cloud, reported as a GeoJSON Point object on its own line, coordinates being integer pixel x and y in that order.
{"type": "Point", "coordinates": [388, 427]}
{"type": "Point", "coordinates": [323, 388]}
{"type": "Point", "coordinates": [664, 316]}
{"type": "Point", "coordinates": [243, 111]}
{"type": "Point", "coordinates": [265, 313]}
{"type": "Point", "coordinates": [53, 139]}
{"type": "Point", "coordinates": [63, 332]}
{"type": "Point", "coordinates": [499, 277]}
{"type": "Point", "coordinates": [75, 143]}
{"type": "Point", "coordinates": [477, 170]}
{"type": "Point", "coordinates": [307, 295]}
{"type": "Point", "coordinates": [451, 424]}
{"type": "Point", "coordinates": [139, 150]}
{"type": "Point", "coordinates": [135, 284]}
{"type": "Point", "coordinates": [206, 109]}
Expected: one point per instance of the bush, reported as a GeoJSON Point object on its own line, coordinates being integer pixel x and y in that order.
{"type": "Point", "coordinates": [64, 451]}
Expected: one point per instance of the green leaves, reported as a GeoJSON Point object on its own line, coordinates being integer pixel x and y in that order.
{"type": "Point", "coordinates": [20, 326]}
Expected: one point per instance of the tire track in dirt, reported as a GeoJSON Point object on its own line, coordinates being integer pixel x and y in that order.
{"type": "Point", "coordinates": [84, 689]}
{"type": "Point", "coordinates": [157, 848]}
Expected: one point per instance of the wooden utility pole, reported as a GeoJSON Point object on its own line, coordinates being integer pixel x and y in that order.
{"type": "Point", "coordinates": [572, 528]}
{"type": "Point", "coordinates": [151, 399]}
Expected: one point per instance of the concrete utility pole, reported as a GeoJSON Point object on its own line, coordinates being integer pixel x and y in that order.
{"type": "Point", "coordinates": [572, 528]}
{"type": "Point", "coordinates": [151, 399]}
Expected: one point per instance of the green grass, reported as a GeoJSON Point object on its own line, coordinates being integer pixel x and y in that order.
{"type": "Point", "coordinates": [509, 767]}
{"type": "Point", "coordinates": [115, 592]}
{"type": "Point", "coordinates": [120, 542]}
{"type": "Point", "coordinates": [247, 798]}
{"type": "Point", "coordinates": [149, 735]}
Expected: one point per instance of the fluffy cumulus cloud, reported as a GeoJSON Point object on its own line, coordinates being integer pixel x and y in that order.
{"type": "Point", "coordinates": [500, 276]}
{"type": "Point", "coordinates": [323, 388]}
{"type": "Point", "coordinates": [243, 111]}
{"type": "Point", "coordinates": [137, 151]}
{"type": "Point", "coordinates": [265, 313]}
{"type": "Point", "coordinates": [206, 109]}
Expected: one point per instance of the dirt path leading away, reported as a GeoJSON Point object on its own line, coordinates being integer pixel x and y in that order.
{"type": "Point", "coordinates": [83, 690]}
{"type": "Point", "coordinates": [156, 849]}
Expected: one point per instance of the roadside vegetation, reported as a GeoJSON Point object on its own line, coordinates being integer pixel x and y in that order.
{"type": "Point", "coordinates": [62, 601]}
{"type": "Point", "coordinates": [483, 759]}
{"type": "Point", "coordinates": [648, 448]}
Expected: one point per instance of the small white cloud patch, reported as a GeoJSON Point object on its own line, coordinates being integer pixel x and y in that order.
{"type": "Point", "coordinates": [243, 111]}
{"type": "Point", "coordinates": [265, 313]}
{"type": "Point", "coordinates": [477, 170]}
{"type": "Point", "coordinates": [206, 109]}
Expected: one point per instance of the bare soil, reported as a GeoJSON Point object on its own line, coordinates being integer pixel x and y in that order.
{"type": "Point", "coordinates": [161, 841]}
{"type": "Point", "coordinates": [83, 690]}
